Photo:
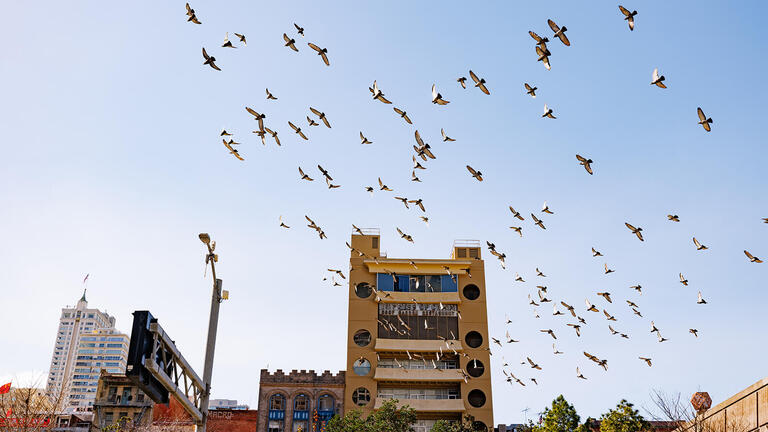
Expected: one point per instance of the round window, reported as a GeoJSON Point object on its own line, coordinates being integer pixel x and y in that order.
{"type": "Point", "coordinates": [476, 398]}
{"type": "Point", "coordinates": [363, 290]}
{"type": "Point", "coordinates": [362, 338]}
{"type": "Point", "coordinates": [361, 396]}
{"type": "Point", "coordinates": [475, 368]}
{"type": "Point", "coordinates": [471, 292]}
{"type": "Point", "coordinates": [473, 339]}
{"type": "Point", "coordinates": [479, 426]}
{"type": "Point", "coordinates": [361, 367]}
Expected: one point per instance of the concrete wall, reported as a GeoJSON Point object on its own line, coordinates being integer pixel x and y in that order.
{"type": "Point", "coordinates": [746, 411]}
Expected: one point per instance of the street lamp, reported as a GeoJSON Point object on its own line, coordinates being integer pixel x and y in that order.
{"type": "Point", "coordinates": [213, 324]}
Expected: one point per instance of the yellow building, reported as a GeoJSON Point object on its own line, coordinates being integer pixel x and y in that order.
{"type": "Point", "coordinates": [418, 332]}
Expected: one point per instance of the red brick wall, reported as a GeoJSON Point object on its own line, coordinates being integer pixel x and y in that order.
{"type": "Point", "coordinates": [232, 420]}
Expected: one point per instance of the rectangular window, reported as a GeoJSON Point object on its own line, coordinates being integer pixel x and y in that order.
{"type": "Point", "coordinates": [384, 282]}
{"type": "Point", "coordinates": [375, 242]}
{"type": "Point", "coordinates": [417, 321]}
{"type": "Point", "coordinates": [448, 283]}
{"type": "Point", "coordinates": [402, 283]}
{"type": "Point", "coordinates": [417, 283]}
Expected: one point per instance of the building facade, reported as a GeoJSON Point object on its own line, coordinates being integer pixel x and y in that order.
{"type": "Point", "coordinates": [226, 404]}
{"type": "Point", "coordinates": [119, 402]}
{"type": "Point", "coordinates": [86, 343]}
{"type": "Point", "coordinates": [418, 333]}
{"type": "Point", "coordinates": [746, 411]}
{"type": "Point", "coordinates": [301, 401]}
{"type": "Point", "coordinates": [232, 420]}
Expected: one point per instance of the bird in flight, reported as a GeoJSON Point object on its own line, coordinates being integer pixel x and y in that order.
{"type": "Point", "coordinates": [437, 98]}
{"type": "Point", "coordinates": [518, 230]}
{"type": "Point", "coordinates": [274, 135]}
{"type": "Point", "coordinates": [608, 316]}
{"type": "Point", "coordinates": [549, 332]}
{"type": "Point", "coordinates": [476, 174]}
{"type": "Point", "coordinates": [657, 80]}
{"type": "Point", "coordinates": [541, 41]}
{"type": "Point", "coordinates": [559, 32]}
{"type": "Point", "coordinates": [297, 130]}
{"type": "Point", "coordinates": [596, 253]}
{"type": "Point", "coordinates": [704, 121]}
{"type": "Point", "coordinates": [752, 258]}
{"type": "Point", "coordinates": [363, 139]}
{"type": "Point", "coordinates": [694, 332]}
{"type": "Point", "coordinates": [227, 42]}
{"type": "Point", "coordinates": [630, 18]}
{"type": "Point", "coordinates": [322, 117]}
{"type": "Point", "coordinates": [587, 163]}
{"type": "Point", "coordinates": [383, 187]}
{"type": "Point", "coordinates": [191, 15]}
{"type": "Point", "coordinates": [210, 60]}
{"type": "Point", "coordinates": [378, 94]}
{"type": "Point", "coordinates": [577, 328]}
{"type": "Point", "coordinates": [533, 365]}
{"type": "Point", "coordinates": [462, 81]}
{"type": "Point", "coordinates": [635, 231]}
{"type": "Point", "coordinates": [673, 218]}
{"type": "Point", "coordinates": [257, 116]}
{"type": "Point", "coordinates": [530, 90]}
{"type": "Point", "coordinates": [403, 114]}
{"type": "Point", "coordinates": [404, 235]}
{"type": "Point", "coordinates": [698, 245]}
{"type": "Point", "coordinates": [282, 224]}
{"type": "Point", "coordinates": [242, 38]}
{"type": "Point", "coordinates": [607, 270]}
{"type": "Point", "coordinates": [232, 150]}
{"type": "Point", "coordinates": [446, 138]}
{"type": "Point", "coordinates": [290, 42]}
{"type": "Point", "coordinates": [548, 112]}
{"type": "Point", "coordinates": [322, 52]}
{"type": "Point", "coordinates": [683, 280]}
{"type": "Point", "coordinates": [701, 300]}
{"type": "Point", "coordinates": [579, 374]}
{"type": "Point", "coordinates": [304, 176]}
{"type": "Point", "coordinates": [545, 208]}
{"type": "Point", "coordinates": [647, 360]}
{"type": "Point", "coordinates": [515, 213]}
{"type": "Point", "coordinates": [299, 29]}
{"type": "Point", "coordinates": [270, 95]}
{"type": "Point", "coordinates": [479, 83]}
{"type": "Point", "coordinates": [537, 221]}
{"type": "Point", "coordinates": [606, 296]}
{"type": "Point", "coordinates": [403, 200]}
{"type": "Point", "coordinates": [590, 306]}
{"type": "Point", "coordinates": [543, 54]}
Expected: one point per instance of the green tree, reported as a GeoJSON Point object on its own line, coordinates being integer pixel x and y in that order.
{"type": "Point", "coordinates": [560, 417]}
{"type": "Point", "coordinates": [623, 418]}
{"type": "Point", "coordinates": [464, 425]}
{"type": "Point", "coordinates": [388, 418]}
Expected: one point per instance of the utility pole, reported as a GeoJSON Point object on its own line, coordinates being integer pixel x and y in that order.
{"type": "Point", "coordinates": [213, 324]}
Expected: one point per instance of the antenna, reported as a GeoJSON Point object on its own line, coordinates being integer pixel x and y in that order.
{"type": "Point", "coordinates": [526, 414]}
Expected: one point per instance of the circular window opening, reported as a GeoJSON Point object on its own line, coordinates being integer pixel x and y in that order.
{"type": "Point", "coordinates": [473, 339]}
{"type": "Point", "coordinates": [363, 290]}
{"type": "Point", "coordinates": [476, 398]}
{"type": "Point", "coordinates": [361, 396]}
{"type": "Point", "coordinates": [361, 367]}
{"type": "Point", "coordinates": [479, 426]}
{"type": "Point", "coordinates": [471, 292]}
{"type": "Point", "coordinates": [362, 338]}
{"type": "Point", "coordinates": [475, 368]}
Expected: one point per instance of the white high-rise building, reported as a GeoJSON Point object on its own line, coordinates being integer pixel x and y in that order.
{"type": "Point", "coordinates": [86, 343]}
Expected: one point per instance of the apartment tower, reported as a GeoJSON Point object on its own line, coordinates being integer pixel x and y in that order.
{"type": "Point", "coordinates": [86, 343]}
{"type": "Point", "coordinates": [418, 332]}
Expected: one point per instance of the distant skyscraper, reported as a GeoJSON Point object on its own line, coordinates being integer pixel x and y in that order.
{"type": "Point", "coordinates": [86, 343]}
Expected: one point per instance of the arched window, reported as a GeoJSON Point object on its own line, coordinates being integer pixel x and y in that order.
{"type": "Point", "coordinates": [325, 403]}
{"type": "Point", "coordinates": [301, 403]}
{"type": "Point", "coordinates": [277, 402]}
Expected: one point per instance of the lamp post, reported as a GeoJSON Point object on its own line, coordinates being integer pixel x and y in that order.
{"type": "Point", "coordinates": [213, 324]}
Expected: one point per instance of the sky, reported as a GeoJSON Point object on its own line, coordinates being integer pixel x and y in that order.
{"type": "Point", "coordinates": [112, 164]}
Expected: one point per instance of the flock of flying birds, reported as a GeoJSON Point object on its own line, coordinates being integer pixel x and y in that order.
{"type": "Point", "coordinates": [423, 152]}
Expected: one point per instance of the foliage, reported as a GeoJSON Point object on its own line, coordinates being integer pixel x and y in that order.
{"type": "Point", "coordinates": [465, 425]}
{"type": "Point", "coordinates": [623, 418]}
{"type": "Point", "coordinates": [560, 417]}
{"type": "Point", "coordinates": [388, 418]}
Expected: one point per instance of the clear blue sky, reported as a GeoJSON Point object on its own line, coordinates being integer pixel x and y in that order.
{"type": "Point", "coordinates": [112, 164]}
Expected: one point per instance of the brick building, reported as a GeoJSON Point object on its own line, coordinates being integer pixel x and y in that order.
{"type": "Point", "coordinates": [119, 401]}
{"type": "Point", "coordinates": [301, 401]}
{"type": "Point", "coordinates": [232, 420]}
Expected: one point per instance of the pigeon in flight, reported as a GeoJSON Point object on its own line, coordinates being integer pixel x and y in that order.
{"type": "Point", "coordinates": [657, 80]}
{"type": "Point", "coordinates": [290, 42]}
{"type": "Point", "coordinates": [322, 52]}
{"type": "Point", "coordinates": [476, 174]}
{"type": "Point", "coordinates": [635, 231]}
{"type": "Point", "coordinates": [704, 121]}
{"type": "Point", "coordinates": [437, 98]}
{"type": "Point", "coordinates": [559, 32]}
{"type": "Point", "coordinates": [752, 258]}
{"type": "Point", "coordinates": [210, 60]}
{"type": "Point", "coordinates": [587, 163]}
{"type": "Point", "coordinates": [479, 83]}
{"type": "Point", "coordinates": [630, 18]}
{"type": "Point", "coordinates": [530, 90]}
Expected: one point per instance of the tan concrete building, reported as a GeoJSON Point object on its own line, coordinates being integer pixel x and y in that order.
{"type": "Point", "coordinates": [119, 401]}
{"type": "Point", "coordinates": [746, 411]}
{"type": "Point", "coordinates": [418, 332]}
{"type": "Point", "coordinates": [300, 401]}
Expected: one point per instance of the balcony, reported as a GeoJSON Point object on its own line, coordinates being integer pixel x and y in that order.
{"type": "Point", "coordinates": [429, 375]}
{"type": "Point", "coordinates": [416, 345]}
{"type": "Point", "coordinates": [421, 297]}
{"type": "Point", "coordinates": [427, 405]}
